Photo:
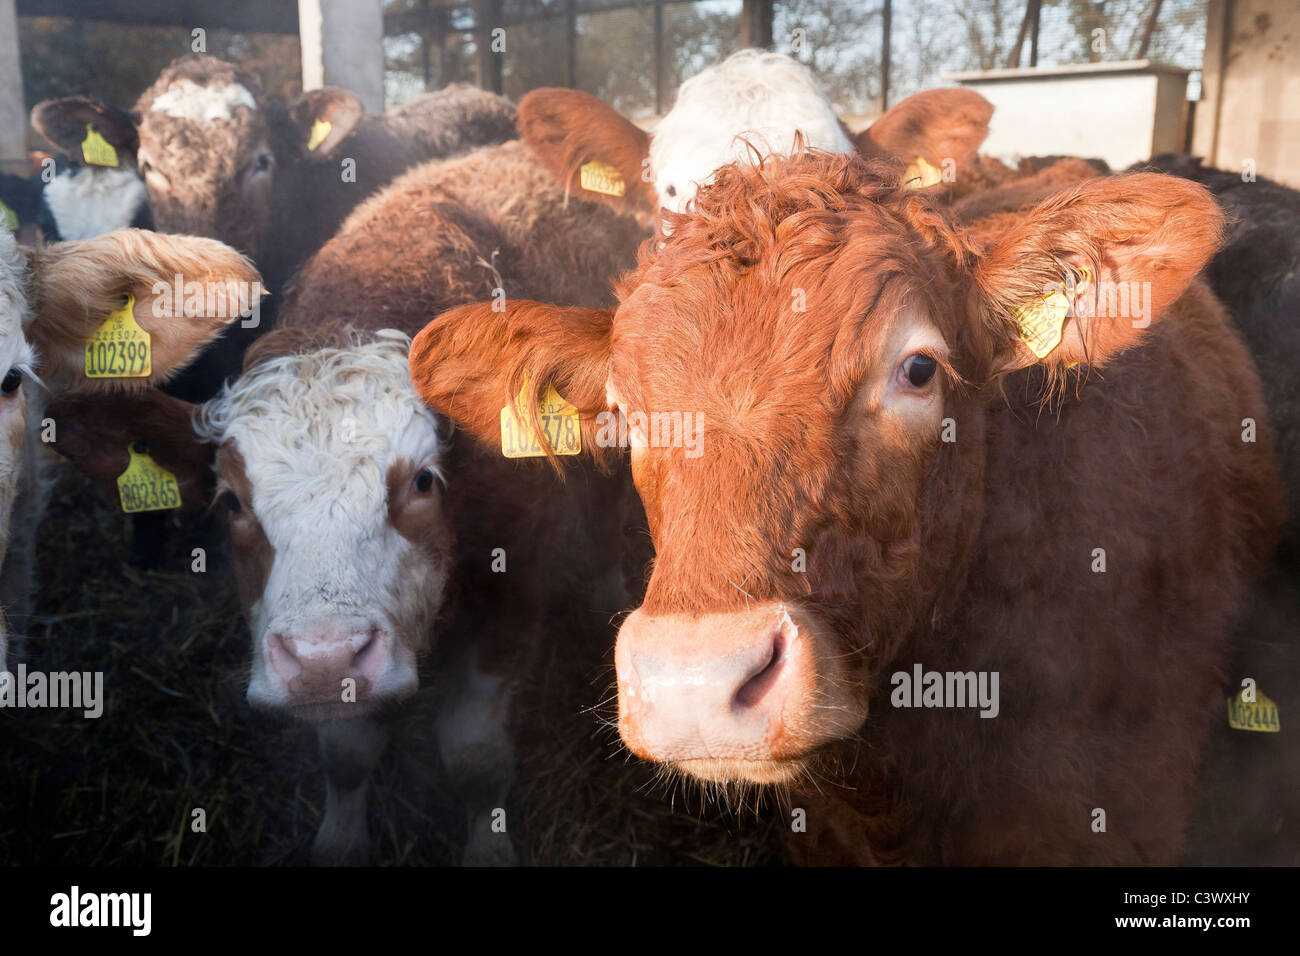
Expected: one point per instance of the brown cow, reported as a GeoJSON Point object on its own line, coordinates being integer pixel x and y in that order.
{"type": "Point", "coordinates": [884, 523]}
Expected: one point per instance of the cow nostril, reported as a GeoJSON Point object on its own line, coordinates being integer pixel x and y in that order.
{"type": "Point", "coordinates": [282, 658]}
{"type": "Point", "coordinates": [753, 689]}
{"type": "Point", "coordinates": [366, 659]}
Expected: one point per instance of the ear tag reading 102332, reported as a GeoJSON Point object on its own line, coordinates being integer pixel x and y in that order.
{"type": "Point", "coordinates": [319, 130]}
{"type": "Point", "coordinates": [96, 150]}
{"type": "Point", "coordinates": [559, 423]}
{"type": "Point", "coordinates": [119, 348]}
{"type": "Point", "coordinates": [146, 485]}
{"type": "Point", "coordinates": [598, 177]}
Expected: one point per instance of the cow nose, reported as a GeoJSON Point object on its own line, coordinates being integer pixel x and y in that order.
{"type": "Point", "coordinates": [713, 687]}
{"type": "Point", "coordinates": [313, 661]}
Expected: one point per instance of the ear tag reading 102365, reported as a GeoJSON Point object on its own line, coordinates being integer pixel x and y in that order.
{"type": "Point", "coordinates": [319, 130]}
{"type": "Point", "coordinates": [598, 177]}
{"type": "Point", "coordinates": [119, 348]}
{"type": "Point", "coordinates": [559, 423]}
{"type": "Point", "coordinates": [1258, 715]}
{"type": "Point", "coordinates": [146, 485]}
{"type": "Point", "coordinates": [96, 150]}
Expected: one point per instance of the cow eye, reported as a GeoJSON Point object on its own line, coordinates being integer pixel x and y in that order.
{"type": "Point", "coordinates": [13, 378]}
{"type": "Point", "coordinates": [671, 190]}
{"type": "Point", "coordinates": [263, 164]}
{"type": "Point", "coordinates": [232, 503]}
{"type": "Point", "coordinates": [919, 369]}
{"type": "Point", "coordinates": [423, 480]}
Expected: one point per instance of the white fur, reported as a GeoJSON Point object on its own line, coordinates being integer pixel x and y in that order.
{"type": "Point", "coordinates": [318, 432]}
{"type": "Point", "coordinates": [88, 201]}
{"type": "Point", "coordinates": [14, 353]}
{"type": "Point", "coordinates": [187, 100]}
{"type": "Point", "coordinates": [753, 95]}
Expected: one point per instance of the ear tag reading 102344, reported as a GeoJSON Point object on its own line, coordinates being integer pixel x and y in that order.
{"type": "Point", "coordinates": [1259, 715]}
{"type": "Point", "coordinates": [96, 150]}
{"type": "Point", "coordinates": [146, 485]}
{"type": "Point", "coordinates": [598, 177]}
{"type": "Point", "coordinates": [119, 348]}
{"type": "Point", "coordinates": [559, 423]}
{"type": "Point", "coordinates": [319, 130]}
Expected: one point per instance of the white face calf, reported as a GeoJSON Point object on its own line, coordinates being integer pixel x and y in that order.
{"type": "Point", "coordinates": [753, 96]}
{"type": "Point", "coordinates": [328, 465]}
{"type": "Point", "coordinates": [16, 362]}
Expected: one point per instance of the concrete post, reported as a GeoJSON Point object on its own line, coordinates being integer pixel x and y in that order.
{"type": "Point", "coordinates": [343, 45]}
{"type": "Point", "coordinates": [13, 112]}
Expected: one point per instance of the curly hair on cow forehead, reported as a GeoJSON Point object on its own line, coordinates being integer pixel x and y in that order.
{"type": "Point", "coordinates": [796, 208]}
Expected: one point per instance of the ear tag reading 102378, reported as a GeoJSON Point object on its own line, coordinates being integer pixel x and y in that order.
{"type": "Point", "coordinates": [559, 423]}
{"type": "Point", "coordinates": [119, 348]}
{"type": "Point", "coordinates": [96, 150]}
{"type": "Point", "coordinates": [146, 485]}
{"type": "Point", "coordinates": [598, 177]}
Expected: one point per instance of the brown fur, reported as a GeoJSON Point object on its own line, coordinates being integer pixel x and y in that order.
{"type": "Point", "coordinates": [969, 555]}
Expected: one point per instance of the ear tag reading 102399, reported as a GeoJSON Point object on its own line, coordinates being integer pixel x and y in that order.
{"type": "Point", "coordinates": [146, 485]}
{"type": "Point", "coordinates": [559, 423]}
{"type": "Point", "coordinates": [598, 177]}
{"type": "Point", "coordinates": [119, 348]}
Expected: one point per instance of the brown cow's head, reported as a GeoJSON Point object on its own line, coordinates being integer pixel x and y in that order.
{"type": "Point", "coordinates": [208, 144]}
{"type": "Point", "coordinates": [784, 367]}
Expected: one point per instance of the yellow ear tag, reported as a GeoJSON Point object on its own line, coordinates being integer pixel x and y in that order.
{"type": "Point", "coordinates": [146, 485]}
{"type": "Point", "coordinates": [1041, 324]}
{"type": "Point", "coordinates": [119, 348]}
{"type": "Point", "coordinates": [319, 130]}
{"type": "Point", "coordinates": [8, 218]}
{"type": "Point", "coordinates": [96, 150]}
{"type": "Point", "coordinates": [598, 177]}
{"type": "Point", "coordinates": [921, 174]}
{"type": "Point", "coordinates": [1258, 715]}
{"type": "Point", "coordinates": [559, 422]}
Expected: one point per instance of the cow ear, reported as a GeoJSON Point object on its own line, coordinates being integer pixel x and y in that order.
{"type": "Point", "coordinates": [472, 361]}
{"type": "Point", "coordinates": [97, 432]}
{"type": "Point", "coordinates": [935, 133]}
{"type": "Point", "coordinates": [91, 131]}
{"type": "Point", "coordinates": [593, 151]}
{"type": "Point", "coordinates": [324, 118]}
{"type": "Point", "coordinates": [1082, 276]}
{"type": "Point", "coordinates": [183, 290]}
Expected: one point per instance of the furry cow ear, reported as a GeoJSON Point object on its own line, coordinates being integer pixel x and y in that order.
{"type": "Point", "coordinates": [184, 291]}
{"type": "Point", "coordinates": [593, 151]}
{"type": "Point", "coordinates": [1080, 277]}
{"type": "Point", "coordinates": [96, 432]}
{"type": "Point", "coordinates": [324, 118]}
{"type": "Point", "coordinates": [934, 133]}
{"type": "Point", "coordinates": [472, 361]}
{"type": "Point", "coordinates": [88, 130]}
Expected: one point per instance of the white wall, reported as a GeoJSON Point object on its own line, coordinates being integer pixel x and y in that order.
{"type": "Point", "coordinates": [1122, 113]}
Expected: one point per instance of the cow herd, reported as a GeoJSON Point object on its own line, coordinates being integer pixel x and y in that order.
{"type": "Point", "coordinates": [942, 498]}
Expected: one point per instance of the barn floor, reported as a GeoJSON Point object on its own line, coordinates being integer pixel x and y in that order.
{"type": "Point", "coordinates": [176, 734]}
